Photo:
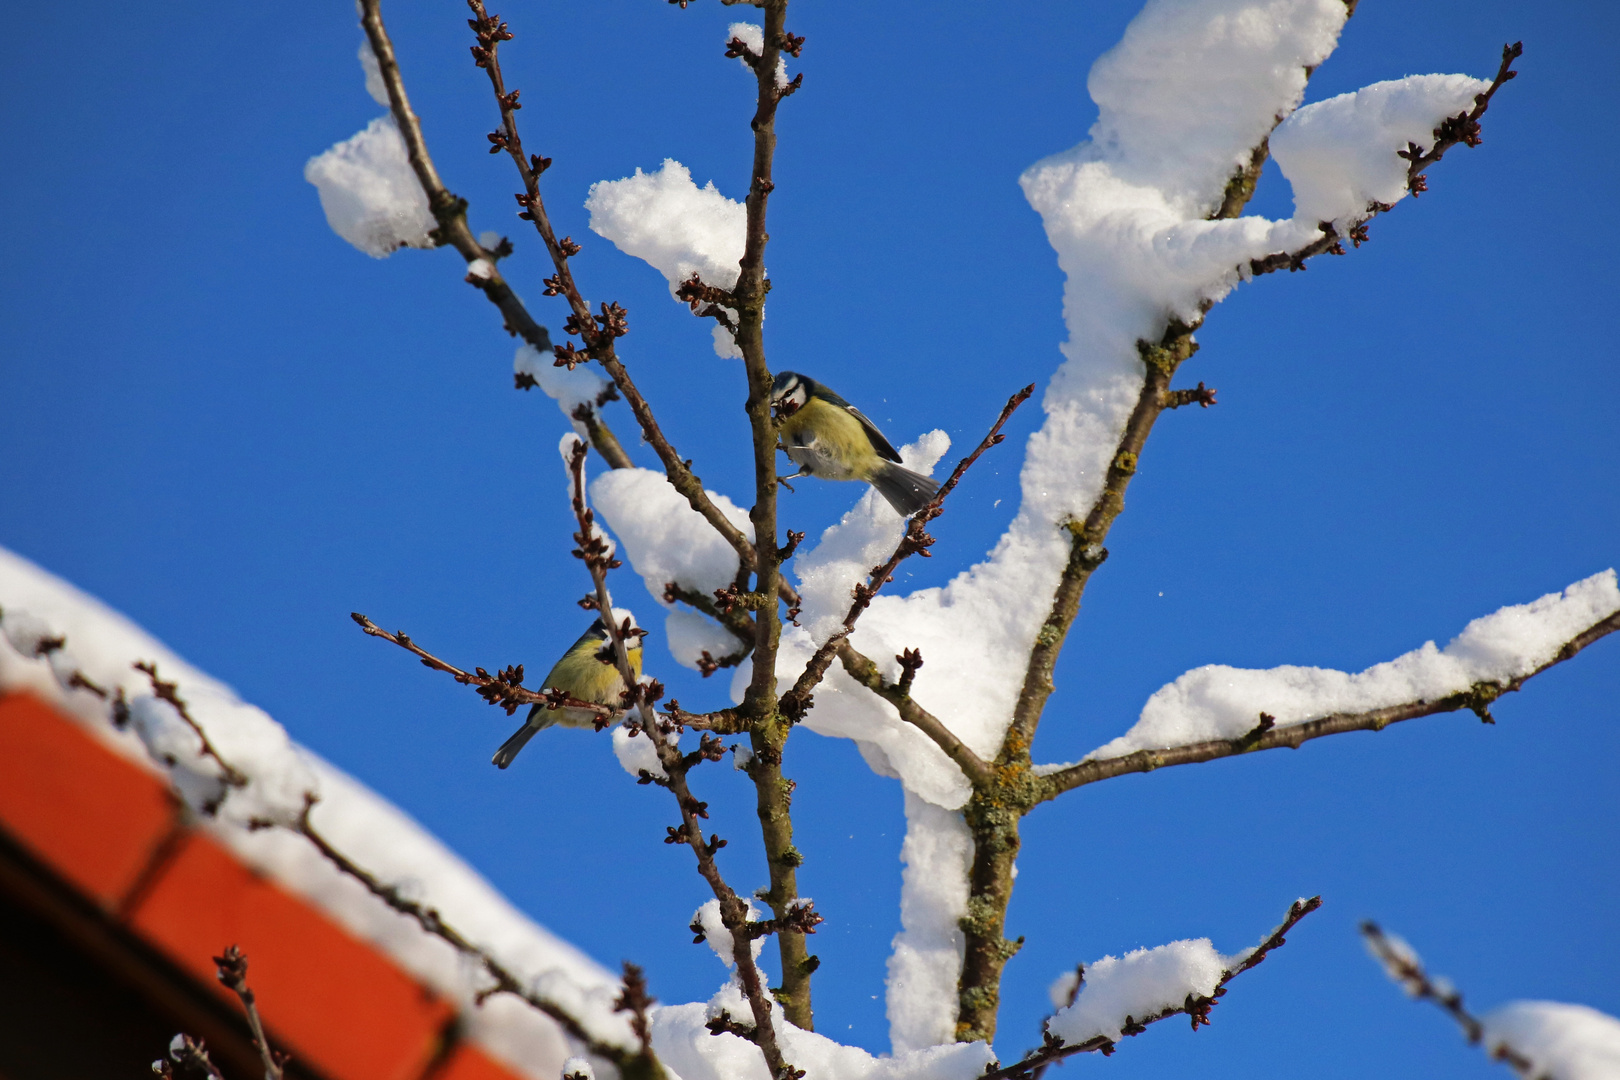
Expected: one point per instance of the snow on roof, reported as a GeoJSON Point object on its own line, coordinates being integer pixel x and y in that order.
{"type": "Point", "coordinates": [102, 646]}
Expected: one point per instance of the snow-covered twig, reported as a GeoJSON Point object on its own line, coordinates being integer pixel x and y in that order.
{"type": "Point", "coordinates": [914, 541]}
{"type": "Point", "coordinates": [1264, 736]}
{"type": "Point", "coordinates": [1462, 128]}
{"type": "Point", "coordinates": [1404, 967]}
{"type": "Point", "coordinates": [595, 554]}
{"type": "Point", "coordinates": [865, 672]}
{"type": "Point", "coordinates": [231, 969]}
{"type": "Point", "coordinates": [734, 619]}
{"type": "Point", "coordinates": [449, 210]}
{"type": "Point", "coordinates": [429, 919]}
{"type": "Point", "coordinates": [1196, 1007]}
{"type": "Point", "coordinates": [167, 691]}
{"type": "Point", "coordinates": [504, 689]}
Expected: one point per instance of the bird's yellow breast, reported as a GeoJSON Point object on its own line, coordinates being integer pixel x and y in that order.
{"type": "Point", "coordinates": [580, 674]}
{"type": "Point", "coordinates": [828, 442]}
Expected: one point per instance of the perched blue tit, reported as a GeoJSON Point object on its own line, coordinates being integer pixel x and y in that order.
{"type": "Point", "coordinates": [829, 438]}
{"type": "Point", "coordinates": [587, 671]}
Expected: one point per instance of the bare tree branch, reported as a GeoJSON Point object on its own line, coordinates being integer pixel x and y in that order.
{"type": "Point", "coordinates": [1197, 1008]}
{"type": "Point", "coordinates": [734, 619]}
{"type": "Point", "coordinates": [504, 690]}
{"type": "Point", "coordinates": [429, 919]}
{"type": "Point", "coordinates": [191, 1057]}
{"type": "Point", "coordinates": [1405, 968]}
{"type": "Point", "coordinates": [1266, 737]}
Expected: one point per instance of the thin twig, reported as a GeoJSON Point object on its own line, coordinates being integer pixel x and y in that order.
{"type": "Point", "coordinates": [1477, 698]}
{"type": "Point", "coordinates": [504, 689]}
{"type": "Point", "coordinates": [914, 541]}
{"type": "Point", "coordinates": [450, 212]}
{"type": "Point", "coordinates": [1197, 1008]}
{"type": "Point", "coordinates": [231, 969]}
{"type": "Point", "coordinates": [735, 619]}
{"type": "Point", "coordinates": [1405, 968]}
{"type": "Point", "coordinates": [191, 1057]}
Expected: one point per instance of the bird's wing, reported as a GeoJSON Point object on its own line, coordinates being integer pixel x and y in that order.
{"type": "Point", "coordinates": [879, 443]}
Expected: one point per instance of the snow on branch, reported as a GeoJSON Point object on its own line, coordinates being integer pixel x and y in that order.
{"type": "Point", "coordinates": [371, 197]}
{"type": "Point", "coordinates": [678, 556]}
{"type": "Point", "coordinates": [693, 236]}
{"type": "Point", "coordinates": [1540, 1040]}
{"type": "Point", "coordinates": [1217, 711]}
{"type": "Point", "coordinates": [91, 663]}
{"type": "Point", "coordinates": [1114, 997]}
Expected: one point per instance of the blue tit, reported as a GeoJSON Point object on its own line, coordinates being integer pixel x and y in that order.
{"type": "Point", "coordinates": [587, 671]}
{"type": "Point", "coordinates": [828, 437]}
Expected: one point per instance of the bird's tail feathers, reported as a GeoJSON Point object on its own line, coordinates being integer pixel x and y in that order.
{"type": "Point", "coordinates": [907, 492]}
{"type": "Point", "coordinates": [539, 718]}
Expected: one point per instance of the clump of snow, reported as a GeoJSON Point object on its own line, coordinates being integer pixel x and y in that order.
{"type": "Point", "coordinates": [370, 194]}
{"type": "Point", "coordinates": [374, 80]}
{"type": "Point", "coordinates": [637, 753]}
{"type": "Point", "coordinates": [936, 857]}
{"type": "Point", "coordinates": [665, 219]}
{"type": "Point", "coordinates": [102, 646]}
{"type": "Point", "coordinates": [371, 197]}
{"type": "Point", "coordinates": [480, 270]}
{"type": "Point", "coordinates": [1063, 989]}
{"type": "Point", "coordinates": [1194, 86]}
{"type": "Point", "coordinates": [1563, 1042]}
{"type": "Point", "coordinates": [667, 541]}
{"type": "Point", "coordinates": [753, 36]}
{"type": "Point", "coordinates": [685, 1046]}
{"type": "Point", "coordinates": [689, 634]}
{"type": "Point", "coordinates": [569, 389]}
{"type": "Point", "coordinates": [665, 538]}
{"type": "Point", "coordinates": [1220, 702]}
{"type": "Point", "coordinates": [1336, 153]}
{"type": "Point", "coordinates": [707, 918]}
{"type": "Point", "coordinates": [1138, 985]}
{"type": "Point", "coordinates": [578, 1068]}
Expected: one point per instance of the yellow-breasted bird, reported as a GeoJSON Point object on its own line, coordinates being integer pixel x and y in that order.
{"type": "Point", "coordinates": [587, 671]}
{"type": "Point", "coordinates": [827, 437]}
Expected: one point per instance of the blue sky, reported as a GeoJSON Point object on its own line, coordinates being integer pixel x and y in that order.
{"type": "Point", "coordinates": [224, 421]}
